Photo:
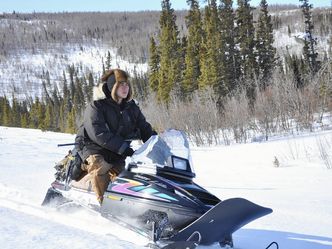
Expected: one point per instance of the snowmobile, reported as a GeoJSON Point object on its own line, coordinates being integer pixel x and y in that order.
{"type": "Point", "coordinates": [157, 197]}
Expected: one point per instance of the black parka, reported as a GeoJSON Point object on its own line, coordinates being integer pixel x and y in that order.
{"type": "Point", "coordinates": [107, 125]}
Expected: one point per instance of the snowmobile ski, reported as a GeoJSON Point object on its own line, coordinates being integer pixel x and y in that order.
{"type": "Point", "coordinates": [181, 245]}
{"type": "Point", "coordinates": [273, 243]}
{"type": "Point", "coordinates": [222, 220]}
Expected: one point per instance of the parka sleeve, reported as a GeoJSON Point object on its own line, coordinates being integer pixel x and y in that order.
{"type": "Point", "coordinates": [99, 132]}
{"type": "Point", "coordinates": [144, 126]}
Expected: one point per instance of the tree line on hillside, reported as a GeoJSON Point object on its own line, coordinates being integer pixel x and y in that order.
{"type": "Point", "coordinates": [56, 110]}
{"type": "Point", "coordinates": [59, 108]}
{"type": "Point", "coordinates": [129, 32]}
{"type": "Point", "coordinates": [222, 79]}
{"type": "Point", "coordinates": [37, 32]}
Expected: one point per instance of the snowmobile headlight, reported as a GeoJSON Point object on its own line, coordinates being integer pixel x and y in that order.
{"type": "Point", "coordinates": [178, 167]}
{"type": "Point", "coordinates": [179, 163]}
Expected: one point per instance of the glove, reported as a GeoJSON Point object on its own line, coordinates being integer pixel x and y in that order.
{"type": "Point", "coordinates": [128, 152]}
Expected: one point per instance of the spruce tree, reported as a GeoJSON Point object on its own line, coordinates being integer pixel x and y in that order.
{"type": "Point", "coordinates": [72, 74]}
{"type": "Point", "coordinates": [108, 62]}
{"type": "Point", "coordinates": [140, 84]}
{"type": "Point", "coordinates": [78, 100]}
{"type": "Point", "coordinates": [265, 51]}
{"type": "Point", "coordinates": [24, 114]}
{"type": "Point", "coordinates": [210, 62]}
{"type": "Point", "coordinates": [178, 89]}
{"type": "Point", "coordinates": [62, 117]}
{"type": "Point", "coordinates": [230, 62]}
{"type": "Point", "coordinates": [47, 123]}
{"type": "Point", "coordinates": [246, 38]}
{"type": "Point", "coordinates": [169, 73]}
{"type": "Point", "coordinates": [2, 104]}
{"type": "Point", "coordinates": [103, 65]}
{"type": "Point", "coordinates": [90, 87]}
{"type": "Point", "coordinates": [71, 124]}
{"type": "Point", "coordinates": [246, 42]}
{"type": "Point", "coordinates": [15, 113]}
{"type": "Point", "coordinates": [154, 63]}
{"type": "Point", "coordinates": [25, 120]}
{"type": "Point", "coordinates": [66, 104]}
{"type": "Point", "coordinates": [193, 46]}
{"type": "Point", "coordinates": [309, 50]}
{"type": "Point", "coordinates": [5, 112]}
{"type": "Point", "coordinates": [40, 118]}
{"type": "Point", "coordinates": [293, 67]}
{"type": "Point", "coordinates": [56, 101]}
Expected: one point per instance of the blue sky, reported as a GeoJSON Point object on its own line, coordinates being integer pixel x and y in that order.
{"type": "Point", "coordinates": [113, 5]}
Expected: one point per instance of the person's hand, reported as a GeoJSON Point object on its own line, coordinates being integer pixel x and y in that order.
{"type": "Point", "coordinates": [128, 152]}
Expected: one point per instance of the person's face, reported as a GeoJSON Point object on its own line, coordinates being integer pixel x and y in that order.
{"type": "Point", "coordinates": [123, 90]}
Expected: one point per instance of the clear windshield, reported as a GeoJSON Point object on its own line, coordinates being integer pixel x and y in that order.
{"type": "Point", "coordinates": [158, 149]}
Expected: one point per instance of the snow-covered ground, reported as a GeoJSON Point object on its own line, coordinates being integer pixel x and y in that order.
{"type": "Point", "coordinates": [299, 190]}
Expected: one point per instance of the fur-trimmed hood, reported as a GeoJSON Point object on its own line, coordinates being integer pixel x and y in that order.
{"type": "Point", "coordinates": [98, 92]}
{"type": "Point", "coordinates": [111, 81]}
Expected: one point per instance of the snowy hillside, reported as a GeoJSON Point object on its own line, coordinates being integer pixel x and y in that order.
{"type": "Point", "coordinates": [25, 71]}
{"type": "Point", "coordinates": [297, 187]}
{"type": "Point", "coordinates": [24, 65]}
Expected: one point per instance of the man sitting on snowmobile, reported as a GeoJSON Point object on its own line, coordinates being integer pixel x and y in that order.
{"type": "Point", "coordinates": [110, 122]}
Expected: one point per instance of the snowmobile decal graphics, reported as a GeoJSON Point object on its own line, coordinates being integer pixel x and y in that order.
{"type": "Point", "coordinates": [138, 189]}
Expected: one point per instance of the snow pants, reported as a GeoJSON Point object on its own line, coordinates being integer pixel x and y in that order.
{"type": "Point", "coordinates": [101, 173]}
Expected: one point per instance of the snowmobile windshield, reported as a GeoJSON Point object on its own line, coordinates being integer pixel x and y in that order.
{"type": "Point", "coordinates": [167, 149]}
